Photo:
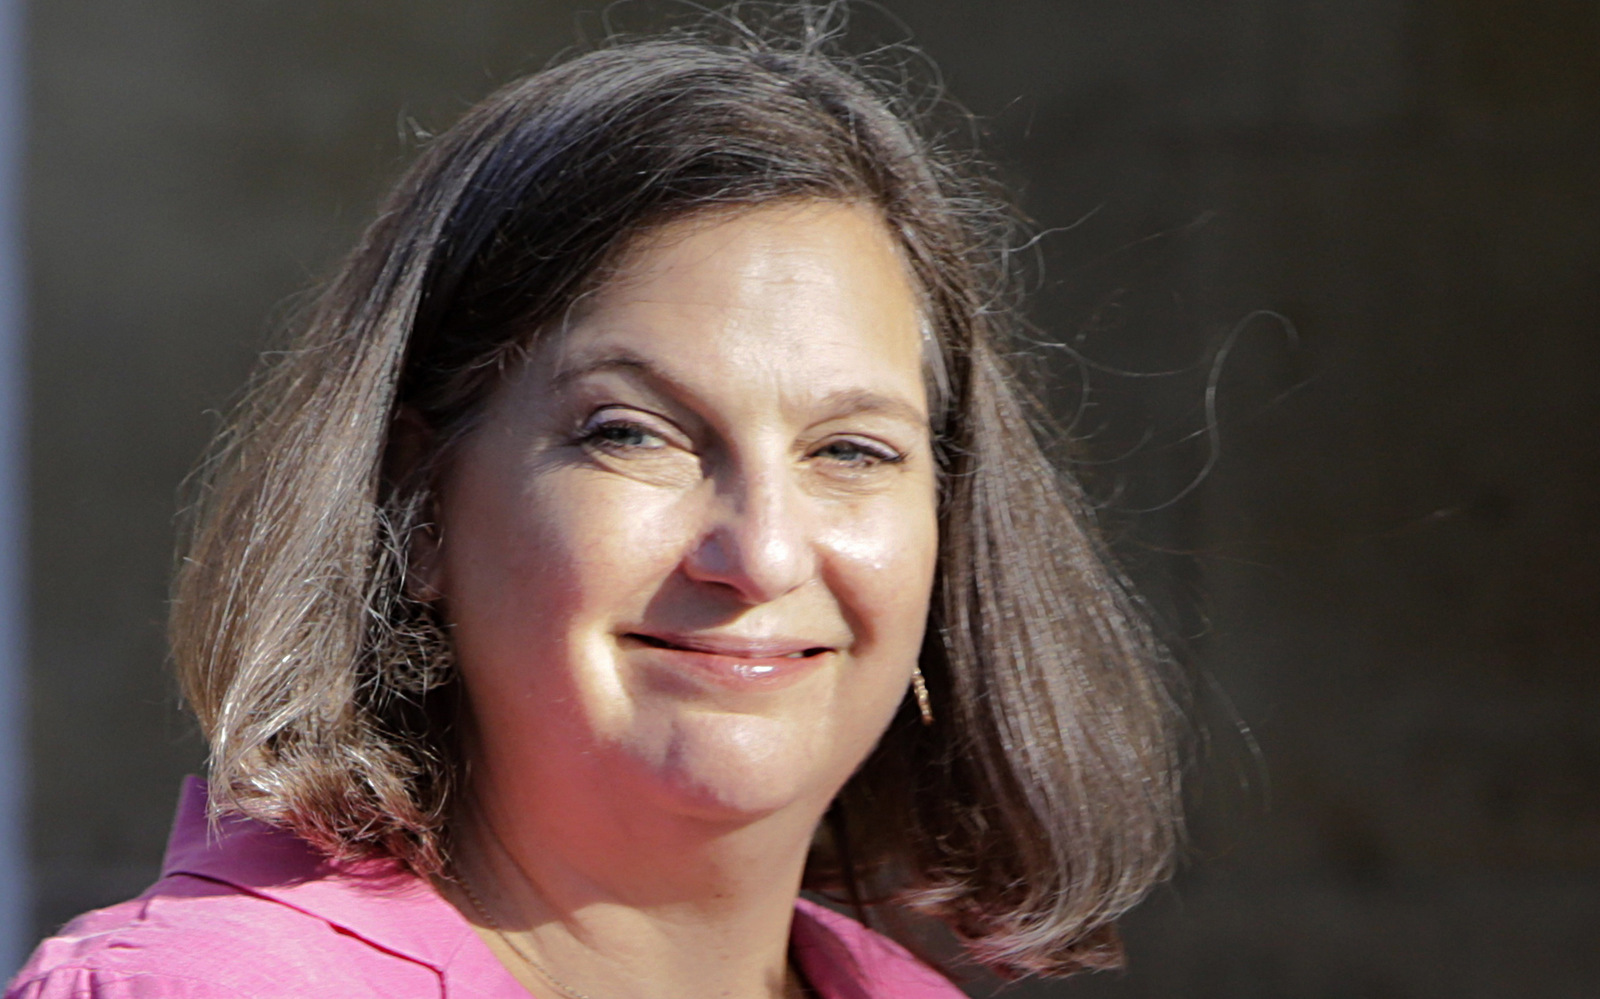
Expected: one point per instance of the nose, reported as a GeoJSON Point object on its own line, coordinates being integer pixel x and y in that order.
{"type": "Point", "coordinates": [757, 541]}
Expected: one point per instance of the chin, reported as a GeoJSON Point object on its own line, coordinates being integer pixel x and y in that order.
{"type": "Point", "coordinates": [738, 768]}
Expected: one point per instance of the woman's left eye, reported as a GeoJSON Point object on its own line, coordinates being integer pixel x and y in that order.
{"type": "Point", "coordinates": [858, 453]}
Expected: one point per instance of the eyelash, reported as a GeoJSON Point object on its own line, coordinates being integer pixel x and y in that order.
{"type": "Point", "coordinates": [875, 454]}
{"type": "Point", "coordinates": [600, 434]}
{"type": "Point", "coordinates": [595, 434]}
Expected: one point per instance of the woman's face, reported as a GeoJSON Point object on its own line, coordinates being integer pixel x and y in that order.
{"type": "Point", "coordinates": [687, 554]}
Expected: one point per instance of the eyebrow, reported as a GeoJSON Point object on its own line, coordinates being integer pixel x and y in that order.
{"type": "Point", "coordinates": [608, 362]}
{"type": "Point", "coordinates": [844, 402]}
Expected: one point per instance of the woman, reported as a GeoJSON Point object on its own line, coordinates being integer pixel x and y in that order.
{"type": "Point", "coordinates": [645, 526]}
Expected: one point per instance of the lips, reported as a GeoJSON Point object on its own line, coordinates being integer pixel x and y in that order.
{"type": "Point", "coordinates": [733, 661]}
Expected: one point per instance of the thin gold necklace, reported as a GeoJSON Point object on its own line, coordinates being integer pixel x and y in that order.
{"type": "Point", "coordinates": [494, 925]}
{"type": "Point", "coordinates": [802, 986]}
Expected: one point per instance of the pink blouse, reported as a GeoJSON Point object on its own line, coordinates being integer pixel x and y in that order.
{"type": "Point", "coordinates": [255, 912]}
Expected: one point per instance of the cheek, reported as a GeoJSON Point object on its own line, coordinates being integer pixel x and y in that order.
{"type": "Point", "coordinates": [527, 562]}
{"type": "Point", "coordinates": [883, 560]}
{"type": "Point", "coordinates": [592, 539]}
{"type": "Point", "coordinates": [880, 565]}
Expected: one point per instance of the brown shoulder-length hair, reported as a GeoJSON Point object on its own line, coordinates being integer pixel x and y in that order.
{"type": "Point", "coordinates": [1041, 803]}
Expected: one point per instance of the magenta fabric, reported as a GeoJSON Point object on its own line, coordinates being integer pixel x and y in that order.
{"type": "Point", "coordinates": [254, 912]}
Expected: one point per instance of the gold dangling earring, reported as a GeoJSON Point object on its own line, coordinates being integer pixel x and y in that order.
{"type": "Point", "coordinates": [919, 687]}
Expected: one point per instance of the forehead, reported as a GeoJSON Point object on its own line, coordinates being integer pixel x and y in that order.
{"type": "Point", "coordinates": [812, 291]}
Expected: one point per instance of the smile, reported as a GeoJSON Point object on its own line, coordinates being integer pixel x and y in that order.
{"type": "Point", "coordinates": [732, 662]}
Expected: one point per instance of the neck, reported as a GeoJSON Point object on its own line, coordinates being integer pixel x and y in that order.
{"type": "Point", "coordinates": [632, 905]}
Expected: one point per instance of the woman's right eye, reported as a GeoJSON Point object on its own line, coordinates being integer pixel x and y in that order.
{"type": "Point", "coordinates": [614, 434]}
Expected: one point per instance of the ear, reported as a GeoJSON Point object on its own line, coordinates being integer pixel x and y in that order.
{"type": "Point", "coordinates": [408, 471]}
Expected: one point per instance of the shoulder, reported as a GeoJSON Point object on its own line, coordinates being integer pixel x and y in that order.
{"type": "Point", "coordinates": [845, 960]}
{"type": "Point", "coordinates": [193, 938]}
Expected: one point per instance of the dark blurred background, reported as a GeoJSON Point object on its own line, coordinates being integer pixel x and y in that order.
{"type": "Point", "coordinates": [1330, 270]}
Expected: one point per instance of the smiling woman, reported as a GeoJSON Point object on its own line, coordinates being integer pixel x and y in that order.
{"type": "Point", "coordinates": [686, 555]}
{"type": "Point", "coordinates": [646, 526]}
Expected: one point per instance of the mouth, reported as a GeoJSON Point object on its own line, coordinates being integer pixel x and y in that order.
{"type": "Point", "coordinates": [733, 648]}
{"type": "Point", "coordinates": [731, 662]}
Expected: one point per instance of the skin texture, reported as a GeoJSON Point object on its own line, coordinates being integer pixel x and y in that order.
{"type": "Point", "coordinates": [686, 560]}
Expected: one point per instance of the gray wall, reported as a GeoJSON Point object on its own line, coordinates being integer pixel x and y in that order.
{"type": "Point", "coordinates": [1389, 571]}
